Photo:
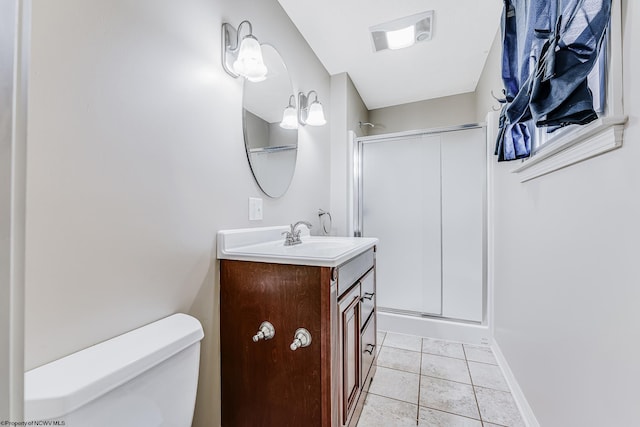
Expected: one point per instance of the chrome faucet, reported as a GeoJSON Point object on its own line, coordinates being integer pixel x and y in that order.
{"type": "Point", "coordinates": [292, 237]}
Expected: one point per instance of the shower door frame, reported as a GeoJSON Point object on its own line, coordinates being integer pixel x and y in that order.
{"type": "Point", "coordinates": [356, 219]}
{"type": "Point", "coordinates": [15, 22]}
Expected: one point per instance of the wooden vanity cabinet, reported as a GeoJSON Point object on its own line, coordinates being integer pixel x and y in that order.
{"type": "Point", "coordinates": [265, 383]}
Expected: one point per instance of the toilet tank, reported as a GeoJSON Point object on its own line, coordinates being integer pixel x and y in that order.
{"type": "Point", "coordinates": [146, 377]}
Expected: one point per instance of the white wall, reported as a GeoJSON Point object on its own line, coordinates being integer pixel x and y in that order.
{"type": "Point", "coordinates": [7, 43]}
{"type": "Point", "coordinates": [490, 82]}
{"type": "Point", "coordinates": [348, 110]}
{"type": "Point", "coordinates": [8, 32]}
{"type": "Point", "coordinates": [434, 113]}
{"type": "Point", "coordinates": [136, 160]}
{"type": "Point", "coordinates": [567, 278]}
{"type": "Point", "coordinates": [13, 69]}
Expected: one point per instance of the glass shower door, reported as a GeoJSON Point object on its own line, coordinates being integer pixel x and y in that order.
{"type": "Point", "coordinates": [401, 206]}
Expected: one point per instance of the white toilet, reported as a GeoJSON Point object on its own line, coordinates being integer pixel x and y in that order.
{"type": "Point", "coordinates": [147, 377]}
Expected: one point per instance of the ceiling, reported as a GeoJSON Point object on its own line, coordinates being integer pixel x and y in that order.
{"type": "Point", "coordinates": [449, 64]}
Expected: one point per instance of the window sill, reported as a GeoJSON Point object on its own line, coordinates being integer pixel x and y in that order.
{"type": "Point", "coordinates": [601, 136]}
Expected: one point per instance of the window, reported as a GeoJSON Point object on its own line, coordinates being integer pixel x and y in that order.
{"type": "Point", "coordinates": [597, 84]}
{"type": "Point", "coordinates": [556, 149]}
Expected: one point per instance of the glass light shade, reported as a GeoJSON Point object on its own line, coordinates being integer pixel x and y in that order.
{"type": "Point", "coordinates": [250, 63]}
{"type": "Point", "coordinates": [289, 118]}
{"type": "Point", "coordinates": [402, 38]}
{"type": "Point", "coordinates": [316, 115]}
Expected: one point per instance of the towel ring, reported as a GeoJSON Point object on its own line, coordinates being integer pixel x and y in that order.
{"type": "Point", "coordinates": [322, 213]}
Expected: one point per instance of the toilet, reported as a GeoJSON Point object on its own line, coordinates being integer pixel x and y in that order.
{"type": "Point", "coordinates": [146, 377]}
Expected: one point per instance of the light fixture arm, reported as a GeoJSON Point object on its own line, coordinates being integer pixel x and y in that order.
{"type": "Point", "coordinates": [231, 45]}
{"type": "Point", "coordinates": [292, 100]}
{"type": "Point", "coordinates": [303, 105]}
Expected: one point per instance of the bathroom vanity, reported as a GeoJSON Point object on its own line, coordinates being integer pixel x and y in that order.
{"type": "Point", "coordinates": [297, 328]}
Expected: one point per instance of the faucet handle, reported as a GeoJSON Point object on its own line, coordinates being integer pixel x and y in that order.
{"type": "Point", "coordinates": [288, 237]}
{"type": "Point", "coordinates": [293, 236]}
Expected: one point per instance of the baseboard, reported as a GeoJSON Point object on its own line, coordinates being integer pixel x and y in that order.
{"type": "Point", "coordinates": [528, 416]}
{"type": "Point", "coordinates": [451, 330]}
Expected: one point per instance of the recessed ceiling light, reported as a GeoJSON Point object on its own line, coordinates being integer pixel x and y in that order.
{"type": "Point", "coordinates": [402, 32]}
{"type": "Point", "coordinates": [401, 38]}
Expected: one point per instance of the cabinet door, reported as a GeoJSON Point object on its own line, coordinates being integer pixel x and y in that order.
{"type": "Point", "coordinates": [265, 383]}
{"type": "Point", "coordinates": [350, 351]}
{"type": "Point", "coordinates": [369, 349]}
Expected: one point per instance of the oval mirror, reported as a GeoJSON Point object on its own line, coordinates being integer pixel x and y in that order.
{"type": "Point", "coordinates": [271, 149]}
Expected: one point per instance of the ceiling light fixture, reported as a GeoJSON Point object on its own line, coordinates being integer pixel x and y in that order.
{"type": "Point", "coordinates": [310, 114]}
{"type": "Point", "coordinates": [401, 38]}
{"type": "Point", "coordinates": [402, 32]}
{"type": "Point", "coordinates": [242, 58]}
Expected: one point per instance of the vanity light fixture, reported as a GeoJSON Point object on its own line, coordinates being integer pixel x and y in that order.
{"type": "Point", "coordinates": [242, 58]}
{"type": "Point", "coordinates": [290, 116]}
{"type": "Point", "coordinates": [310, 114]}
{"type": "Point", "coordinates": [402, 32]}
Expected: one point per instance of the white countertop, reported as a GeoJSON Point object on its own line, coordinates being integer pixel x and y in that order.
{"type": "Point", "coordinates": [266, 244]}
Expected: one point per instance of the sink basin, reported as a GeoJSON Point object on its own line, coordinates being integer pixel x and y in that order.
{"type": "Point", "coordinates": [266, 244]}
{"type": "Point", "coordinates": [310, 246]}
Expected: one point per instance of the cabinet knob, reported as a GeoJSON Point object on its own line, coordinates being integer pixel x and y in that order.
{"type": "Point", "coordinates": [265, 332]}
{"type": "Point", "coordinates": [302, 338]}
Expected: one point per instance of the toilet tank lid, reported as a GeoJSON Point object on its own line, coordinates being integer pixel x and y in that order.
{"type": "Point", "coordinates": [64, 385]}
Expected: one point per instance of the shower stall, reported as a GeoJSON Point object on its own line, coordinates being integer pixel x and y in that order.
{"type": "Point", "coordinates": [423, 194]}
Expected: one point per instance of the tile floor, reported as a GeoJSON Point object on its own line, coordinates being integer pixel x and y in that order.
{"type": "Point", "coordinates": [435, 383]}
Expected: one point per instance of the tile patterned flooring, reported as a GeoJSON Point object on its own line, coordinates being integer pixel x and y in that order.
{"type": "Point", "coordinates": [436, 383]}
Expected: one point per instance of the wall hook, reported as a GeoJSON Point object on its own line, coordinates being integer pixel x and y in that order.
{"type": "Point", "coordinates": [502, 100]}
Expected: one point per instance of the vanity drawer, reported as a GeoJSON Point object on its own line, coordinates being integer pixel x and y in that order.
{"type": "Point", "coordinates": [367, 296]}
{"type": "Point", "coordinates": [351, 271]}
{"type": "Point", "coordinates": [368, 348]}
